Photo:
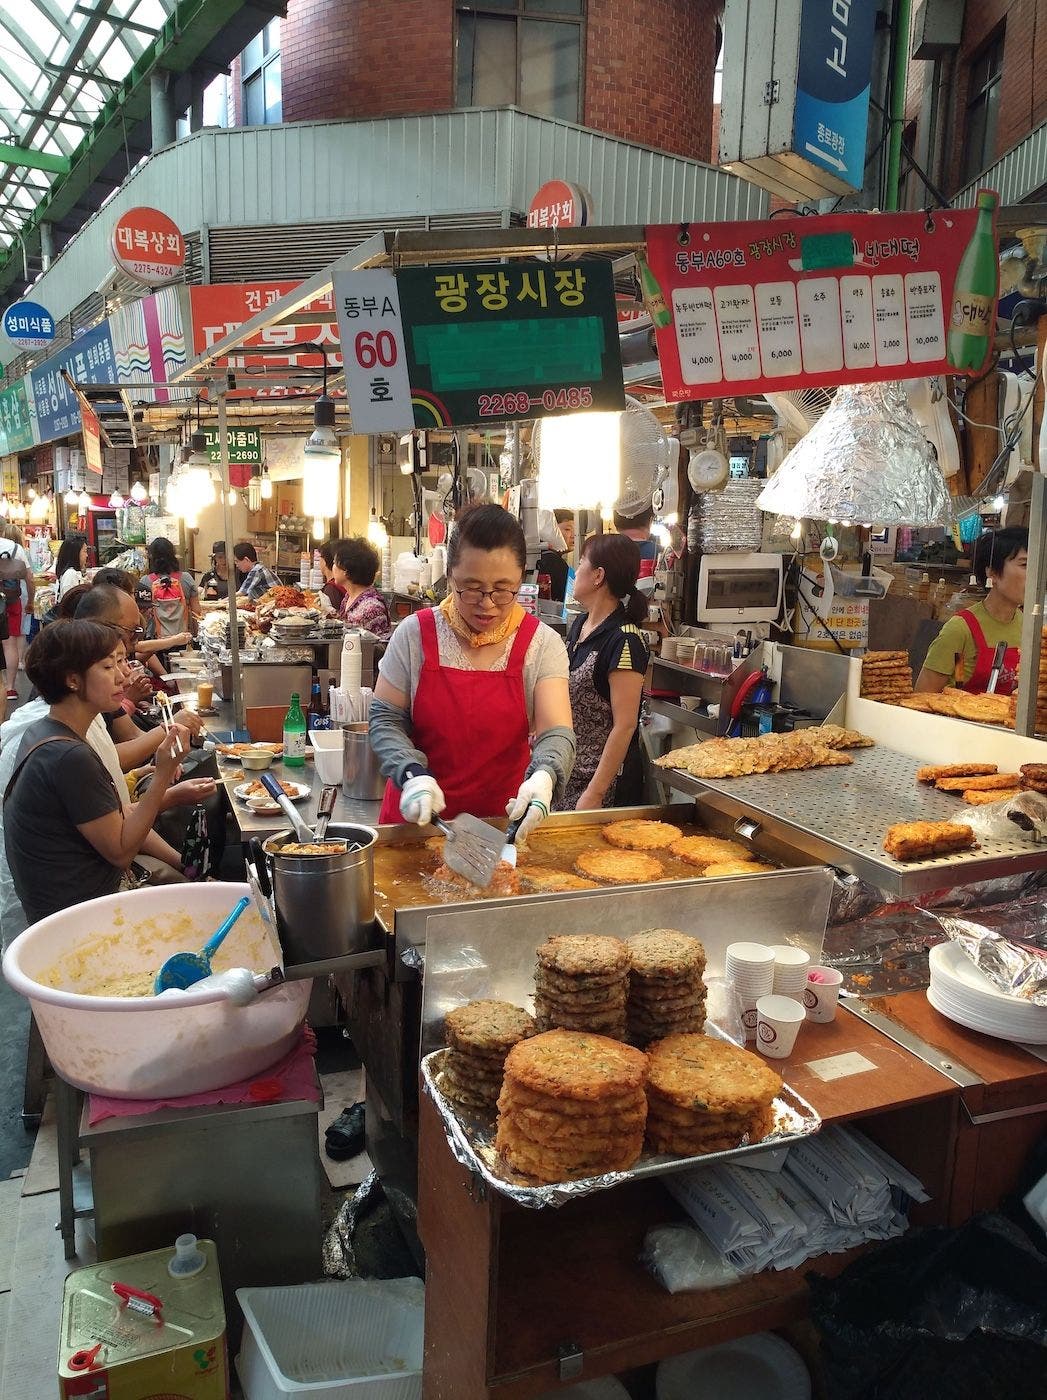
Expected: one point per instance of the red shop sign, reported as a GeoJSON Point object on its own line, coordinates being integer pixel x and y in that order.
{"type": "Point", "coordinates": [559, 204]}
{"type": "Point", "coordinates": [222, 307]}
{"type": "Point", "coordinates": [148, 246]}
{"type": "Point", "coordinates": [829, 299]}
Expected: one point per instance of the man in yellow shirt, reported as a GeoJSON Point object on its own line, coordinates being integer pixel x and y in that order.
{"type": "Point", "coordinates": [962, 653]}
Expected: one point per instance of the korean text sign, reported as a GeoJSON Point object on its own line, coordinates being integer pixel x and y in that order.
{"type": "Point", "coordinates": [831, 118]}
{"type": "Point", "coordinates": [221, 308]}
{"type": "Point", "coordinates": [16, 419]}
{"type": "Point", "coordinates": [148, 246]}
{"type": "Point", "coordinates": [29, 325]}
{"type": "Point", "coordinates": [90, 359]}
{"type": "Point", "coordinates": [793, 302]}
{"type": "Point", "coordinates": [519, 340]}
{"type": "Point", "coordinates": [91, 431]}
{"type": "Point", "coordinates": [245, 452]}
{"type": "Point", "coordinates": [367, 304]}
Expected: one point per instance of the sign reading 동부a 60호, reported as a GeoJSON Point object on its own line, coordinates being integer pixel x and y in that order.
{"type": "Point", "coordinates": [374, 355]}
{"type": "Point", "coordinates": [221, 308]}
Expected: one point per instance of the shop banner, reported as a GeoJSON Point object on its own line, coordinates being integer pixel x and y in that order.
{"type": "Point", "coordinates": [149, 341]}
{"type": "Point", "coordinates": [148, 246]}
{"type": "Point", "coordinates": [830, 299]}
{"type": "Point", "coordinates": [90, 359]}
{"type": "Point", "coordinates": [16, 419]}
{"type": "Point", "coordinates": [29, 325]}
{"type": "Point", "coordinates": [91, 431]}
{"type": "Point", "coordinates": [373, 350]}
{"type": "Point", "coordinates": [222, 307]}
{"type": "Point", "coordinates": [831, 117]}
{"type": "Point", "coordinates": [9, 479]}
{"type": "Point", "coordinates": [245, 452]}
{"type": "Point", "coordinates": [520, 340]}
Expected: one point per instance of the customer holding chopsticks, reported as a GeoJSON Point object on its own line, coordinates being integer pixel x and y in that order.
{"type": "Point", "coordinates": [67, 834]}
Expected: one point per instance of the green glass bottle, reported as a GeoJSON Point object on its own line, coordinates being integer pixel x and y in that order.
{"type": "Point", "coordinates": [653, 296]}
{"type": "Point", "coordinates": [973, 317]}
{"type": "Point", "coordinates": [294, 734]}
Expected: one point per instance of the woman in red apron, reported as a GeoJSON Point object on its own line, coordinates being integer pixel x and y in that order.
{"type": "Point", "coordinates": [962, 653]}
{"type": "Point", "coordinates": [463, 686]}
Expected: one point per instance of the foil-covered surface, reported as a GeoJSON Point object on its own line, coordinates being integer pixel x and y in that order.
{"type": "Point", "coordinates": [866, 462]}
{"type": "Point", "coordinates": [1016, 966]}
{"type": "Point", "coordinates": [728, 519]}
{"type": "Point", "coordinates": [471, 1140]}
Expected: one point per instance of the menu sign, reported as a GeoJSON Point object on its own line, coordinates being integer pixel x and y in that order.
{"type": "Point", "coordinates": [518, 340]}
{"type": "Point", "coordinates": [834, 299]}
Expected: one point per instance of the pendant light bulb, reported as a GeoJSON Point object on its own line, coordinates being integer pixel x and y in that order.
{"type": "Point", "coordinates": [84, 502]}
{"type": "Point", "coordinates": [138, 493]}
{"type": "Point", "coordinates": [116, 500]}
{"type": "Point", "coordinates": [265, 487]}
{"type": "Point", "coordinates": [71, 497]}
{"type": "Point", "coordinates": [319, 528]}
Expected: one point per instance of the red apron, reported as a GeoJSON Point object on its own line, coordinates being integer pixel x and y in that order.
{"type": "Point", "coordinates": [1008, 682]}
{"type": "Point", "coordinates": [472, 726]}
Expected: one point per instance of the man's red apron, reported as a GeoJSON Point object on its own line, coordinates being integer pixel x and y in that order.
{"type": "Point", "coordinates": [1008, 682]}
{"type": "Point", "coordinates": [472, 726]}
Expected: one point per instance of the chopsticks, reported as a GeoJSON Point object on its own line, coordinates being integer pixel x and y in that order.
{"type": "Point", "coordinates": [163, 701]}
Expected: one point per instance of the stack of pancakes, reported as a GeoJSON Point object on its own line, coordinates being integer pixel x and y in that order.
{"type": "Point", "coordinates": [666, 991]}
{"type": "Point", "coordinates": [706, 1095]}
{"type": "Point", "coordinates": [1041, 686]}
{"type": "Point", "coordinates": [581, 984]}
{"type": "Point", "coordinates": [886, 676]}
{"type": "Point", "coordinates": [572, 1105]}
{"type": "Point", "coordinates": [479, 1036]}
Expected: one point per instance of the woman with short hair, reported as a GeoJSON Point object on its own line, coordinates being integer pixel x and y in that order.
{"type": "Point", "coordinates": [354, 569]}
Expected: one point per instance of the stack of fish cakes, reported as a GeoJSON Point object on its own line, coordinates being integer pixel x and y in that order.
{"type": "Point", "coordinates": [581, 984]}
{"type": "Point", "coordinates": [572, 1105]}
{"type": "Point", "coordinates": [479, 1036]}
{"type": "Point", "coordinates": [706, 1095]}
{"type": "Point", "coordinates": [666, 990]}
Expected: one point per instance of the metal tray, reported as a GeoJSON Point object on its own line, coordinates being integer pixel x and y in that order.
{"type": "Point", "coordinates": [471, 1139]}
{"type": "Point", "coordinates": [840, 816]}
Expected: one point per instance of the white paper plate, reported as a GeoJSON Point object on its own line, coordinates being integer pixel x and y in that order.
{"type": "Point", "coordinates": [602, 1388]}
{"type": "Point", "coordinates": [1014, 1019]}
{"type": "Point", "coordinates": [301, 792]}
{"type": "Point", "coordinates": [951, 966]}
{"type": "Point", "coordinates": [996, 1026]}
{"type": "Point", "coordinates": [761, 1367]}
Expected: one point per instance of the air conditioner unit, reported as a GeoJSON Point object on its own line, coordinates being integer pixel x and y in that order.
{"type": "Point", "coordinates": [937, 28]}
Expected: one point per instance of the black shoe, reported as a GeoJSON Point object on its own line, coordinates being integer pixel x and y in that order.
{"type": "Point", "coordinates": [345, 1136]}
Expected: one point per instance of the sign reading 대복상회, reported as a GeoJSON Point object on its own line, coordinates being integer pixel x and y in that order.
{"type": "Point", "coordinates": [829, 299]}
{"type": "Point", "coordinates": [148, 246]}
{"type": "Point", "coordinates": [518, 340]}
{"type": "Point", "coordinates": [559, 204]}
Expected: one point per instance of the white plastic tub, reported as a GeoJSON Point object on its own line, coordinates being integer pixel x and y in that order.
{"type": "Point", "coordinates": [147, 1047]}
{"type": "Point", "coordinates": [327, 754]}
{"type": "Point", "coordinates": [351, 1339]}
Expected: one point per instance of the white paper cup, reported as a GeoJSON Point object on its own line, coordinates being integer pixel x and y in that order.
{"type": "Point", "coordinates": [821, 995]}
{"type": "Point", "coordinates": [791, 966]}
{"type": "Point", "coordinates": [778, 1021]}
{"type": "Point", "coordinates": [744, 956]}
{"type": "Point", "coordinates": [669, 645]}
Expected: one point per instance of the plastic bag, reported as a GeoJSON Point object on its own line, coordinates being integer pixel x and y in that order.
{"type": "Point", "coordinates": [1010, 819]}
{"type": "Point", "coordinates": [723, 1009]}
{"type": "Point", "coordinates": [938, 1315]}
{"type": "Point", "coordinates": [683, 1260]}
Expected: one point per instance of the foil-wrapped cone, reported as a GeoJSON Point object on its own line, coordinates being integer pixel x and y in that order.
{"type": "Point", "coordinates": [866, 461]}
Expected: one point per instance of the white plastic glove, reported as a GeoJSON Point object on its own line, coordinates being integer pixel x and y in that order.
{"type": "Point", "coordinates": [532, 803]}
{"type": "Point", "coordinates": [421, 799]}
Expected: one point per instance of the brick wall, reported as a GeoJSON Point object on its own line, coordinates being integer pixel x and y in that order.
{"type": "Point", "coordinates": [648, 74]}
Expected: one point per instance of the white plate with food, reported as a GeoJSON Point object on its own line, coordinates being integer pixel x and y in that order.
{"type": "Point", "coordinates": [233, 753]}
{"type": "Point", "coordinates": [248, 792]}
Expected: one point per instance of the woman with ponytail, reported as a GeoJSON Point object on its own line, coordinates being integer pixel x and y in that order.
{"type": "Point", "coordinates": [609, 658]}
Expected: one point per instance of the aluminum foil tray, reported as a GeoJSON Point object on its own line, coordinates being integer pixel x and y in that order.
{"type": "Point", "coordinates": [841, 815]}
{"type": "Point", "coordinates": [471, 1139]}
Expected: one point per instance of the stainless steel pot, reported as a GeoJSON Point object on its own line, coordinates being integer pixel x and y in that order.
{"type": "Point", "coordinates": [361, 776]}
{"type": "Point", "coordinates": [322, 907]}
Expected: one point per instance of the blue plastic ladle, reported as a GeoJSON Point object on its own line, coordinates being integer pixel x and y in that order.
{"type": "Point", "coordinates": [181, 970]}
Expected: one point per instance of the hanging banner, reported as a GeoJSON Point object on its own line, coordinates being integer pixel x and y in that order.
{"type": "Point", "coordinates": [830, 299]}
{"type": "Point", "coordinates": [149, 341]}
{"type": "Point", "coordinates": [520, 340]}
{"type": "Point", "coordinates": [16, 419]}
{"type": "Point", "coordinates": [29, 325]}
{"type": "Point", "coordinates": [373, 350]}
{"type": "Point", "coordinates": [89, 360]}
{"type": "Point", "coordinates": [222, 307]}
{"type": "Point", "coordinates": [831, 116]}
{"type": "Point", "coordinates": [148, 246]}
{"type": "Point", "coordinates": [91, 432]}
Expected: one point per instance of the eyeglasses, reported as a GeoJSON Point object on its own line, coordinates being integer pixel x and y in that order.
{"type": "Point", "coordinates": [500, 597]}
{"type": "Point", "coordinates": [132, 634]}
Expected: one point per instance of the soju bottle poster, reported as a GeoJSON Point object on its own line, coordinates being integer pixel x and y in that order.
{"type": "Point", "coordinates": [792, 302]}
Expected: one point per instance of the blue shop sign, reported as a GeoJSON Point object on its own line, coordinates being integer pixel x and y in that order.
{"type": "Point", "coordinates": [29, 325]}
{"type": "Point", "coordinates": [831, 119]}
{"type": "Point", "coordinates": [90, 359]}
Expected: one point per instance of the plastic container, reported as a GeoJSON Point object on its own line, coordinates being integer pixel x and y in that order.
{"type": "Point", "coordinates": [148, 1047]}
{"type": "Point", "coordinates": [406, 573]}
{"type": "Point", "coordinates": [327, 754]}
{"type": "Point", "coordinates": [350, 1339]}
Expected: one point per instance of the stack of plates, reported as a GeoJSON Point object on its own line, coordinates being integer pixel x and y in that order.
{"type": "Point", "coordinates": [760, 1367]}
{"type": "Point", "coordinates": [964, 994]}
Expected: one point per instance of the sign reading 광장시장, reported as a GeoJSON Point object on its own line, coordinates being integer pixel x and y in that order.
{"type": "Point", "coordinates": [519, 340]}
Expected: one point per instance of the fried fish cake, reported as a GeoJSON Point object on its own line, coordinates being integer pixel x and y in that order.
{"type": "Point", "coordinates": [701, 851]}
{"type": "Point", "coordinates": [983, 799]}
{"type": "Point", "coordinates": [835, 736]}
{"type": "Point", "coordinates": [933, 771]}
{"type": "Point", "coordinates": [920, 703]}
{"type": "Point", "coordinates": [581, 1143]}
{"type": "Point", "coordinates": [735, 867]}
{"type": "Point", "coordinates": [619, 867]}
{"type": "Point", "coordinates": [487, 1025]}
{"type": "Point", "coordinates": [546, 1165]}
{"type": "Point", "coordinates": [576, 1065]}
{"type": "Point", "coordinates": [985, 783]}
{"type": "Point", "coordinates": [922, 840]}
{"type": "Point", "coordinates": [515, 1096]}
{"type": "Point", "coordinates": [535, 881]}
{"type": "Point", "coordinates": [984, 709]}
{"type": "Point", "coordinates": [544, 1126]}
{"type": "Point", "coordinates": [943, 703]}
{"type": "Point", "coordinates": [696, 1071]}
{"type": "Point", "coordinates": [640, 835]}
{"type": "Point", "coordinates": [504, 882]}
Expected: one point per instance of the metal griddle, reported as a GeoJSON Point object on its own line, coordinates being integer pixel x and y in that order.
{"type": "Point", "coordinates": [840, 816]}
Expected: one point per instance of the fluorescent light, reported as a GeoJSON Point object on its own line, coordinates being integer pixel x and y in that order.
{"type": "Point", "coordinates": [580, 462]}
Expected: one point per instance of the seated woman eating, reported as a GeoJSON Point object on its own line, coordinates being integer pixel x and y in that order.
{"type": "Point", "coordinates": [67, 833]}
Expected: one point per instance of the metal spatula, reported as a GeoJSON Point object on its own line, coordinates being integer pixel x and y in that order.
{"type": "Point", "coordinates": [324, 808]}
{"type": "Point", "coordinates": [473, 848]}
{"type": "Point", "coordinates": [302, 832]}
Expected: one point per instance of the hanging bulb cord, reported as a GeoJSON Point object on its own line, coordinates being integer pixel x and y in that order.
{"type": "Point", "coordinates": [456, 474]}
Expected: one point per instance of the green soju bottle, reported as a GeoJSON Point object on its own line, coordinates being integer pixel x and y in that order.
{"type": "Point", "coordinates": [294, 734]}
{"type": "Point", "coordinates": [653, 296]}
{"type": "Point", "coordinates": [973, 317]}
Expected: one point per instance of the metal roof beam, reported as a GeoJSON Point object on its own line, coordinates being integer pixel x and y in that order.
{"type": "Point", "coordinates": [117, 21]}
{"type": "Point", "coordinates": [34, 160]}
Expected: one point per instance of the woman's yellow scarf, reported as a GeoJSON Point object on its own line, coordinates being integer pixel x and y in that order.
{"type": "Point", "coordinates": [461, 628]}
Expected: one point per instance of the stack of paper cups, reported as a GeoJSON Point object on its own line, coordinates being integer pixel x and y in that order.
{"type": "Point", "coordinates": [790, 971]}
{"type": "Point", "coordinates": [352, 661]}
{"type": "Point", "coordinates": [750, 971]}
